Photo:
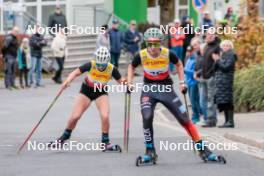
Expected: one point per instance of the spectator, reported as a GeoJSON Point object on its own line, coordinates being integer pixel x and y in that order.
{"type": "Point", "coordinates": [10, 54]}
{"type": "Point", "coordinates": [188, 28]}
{"type": "Point", "coordinates": [103, 40]}
{"type": "Point", "coordinates": [208, 72]}
{"type": "Point", "coordinates": [207, 22]}
{"type": "Point", "coordinates": [23, 57]}
{"type": "Point", "coordinates": [57, 20]}
{"type": "Point", "coordinates": [58, 46]}
{"type": "Point", "coordinates": [36, 42]}
{"type": "Point", "coordinates": [231, 17]}
{"type": "Point", "coordinates": [224, 78]}
{"type": "Point", "coordinates": [116, 42]}
{"type": "Point", "coordinates": [132, 39]}
{"type": "Point", "coordinates": [202, 86]}
{"type": "Point", "coordinates": [176, 39]}
{"type": "Point", "coordinates": [190, 81]}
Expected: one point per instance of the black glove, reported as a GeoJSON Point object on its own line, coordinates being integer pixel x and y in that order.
{"type": "Point", "coordinates": [185, 90]}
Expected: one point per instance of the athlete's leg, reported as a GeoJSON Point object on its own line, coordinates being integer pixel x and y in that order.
{"type": "Point", "coordinates": [147, 110]}
{"type": "Point", "coordinates": [102, 104]}
{"type": "Point", "coordinates": [173, 103]}
{"type": "Point", "coordinates": [81, 104]}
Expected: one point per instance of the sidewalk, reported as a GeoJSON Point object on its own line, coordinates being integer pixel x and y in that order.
{"type": "Point", "coordinates": [248, 131]}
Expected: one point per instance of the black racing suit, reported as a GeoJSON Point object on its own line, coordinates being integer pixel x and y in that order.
{"type": "Point", "coordinates": [168, 98]}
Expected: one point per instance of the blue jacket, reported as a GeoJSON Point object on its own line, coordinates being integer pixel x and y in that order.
{"type": "Point", "coordinates": [129, 40]}
{"type": "Point", "coordinates": [189, 70]}
{"type": "Point", "coordinates": [116, 40]}
{"type": "Point", "coordinates": [22, 63]}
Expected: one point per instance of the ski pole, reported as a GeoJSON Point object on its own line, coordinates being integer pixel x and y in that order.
{"type": "Point", "coordinates": [125, 121]}
{"type": "Point", "coordinates": [186, 105]}
{"type": "Point", "coordinates": [128, 120]}
{"type": "Point", "coordinates": [36, 126]}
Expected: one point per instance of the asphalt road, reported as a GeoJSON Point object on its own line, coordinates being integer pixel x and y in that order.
{"type": "Point", "coordinates": [20, 110]}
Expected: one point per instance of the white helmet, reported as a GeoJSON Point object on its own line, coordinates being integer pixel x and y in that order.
{"type": "Point", "coordinates": [102, 55]}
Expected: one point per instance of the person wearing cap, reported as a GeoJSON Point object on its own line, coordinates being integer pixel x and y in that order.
{"type": "Point", "coordinates": [132, 39]}
{"type": "Point", "coordinates": [116, 42]}
{"type": "Point", "coordinates": [57, 19]}
{"type": "Point", "coordinates": [207, 22]}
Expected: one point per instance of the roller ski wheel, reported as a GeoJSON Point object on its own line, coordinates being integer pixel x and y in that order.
{"type": "Point", "coordinates": [56, 144]}
{"type": "Point", "coordinates": [112, 148]}
{"type": "Point", "coordinates": [208, 156]}
{"type": "Point", "coordinates": [148, 158]}
{"type": "Point", "coordinates": [213, 158]}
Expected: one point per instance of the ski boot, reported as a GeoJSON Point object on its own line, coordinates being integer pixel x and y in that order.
{"type": "Point", "coordinates": [208, 156]}
{"type": "Point", "coordinates": [58, 143]}
{"type": "Point", "coordinates": [150, 157]}
{"type": "Point", "coordinates": [112, 148]}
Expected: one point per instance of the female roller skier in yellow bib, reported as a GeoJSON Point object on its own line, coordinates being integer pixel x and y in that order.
{"type": "Point", "coordinates": [98, 73]}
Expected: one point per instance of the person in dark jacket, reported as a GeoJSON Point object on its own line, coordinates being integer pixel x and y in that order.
{"type": "Point", "coordinates": [57, 20]}
{"type": "Point", "coordinates": [116, 42]}
{"type": "Point", "coordinates": [188, 27]}
{"type": "Point", "coordinates": [10, 54]}
{"type": "Point", "coordinates": [132, 39]}
{"type": "Point", "coordinates": [36, 42]}
{"type": "Point", "coordinates": [213, 47]}
{"type": "Point", "coordinates": [224, 78]}
{"type": "Point", "coordinates": [207, 21]}
{"type": "Point", "coordinates": [202, 86]}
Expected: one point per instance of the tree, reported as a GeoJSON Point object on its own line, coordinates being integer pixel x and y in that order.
{"type": "Point", "coordinates": [249, 42]}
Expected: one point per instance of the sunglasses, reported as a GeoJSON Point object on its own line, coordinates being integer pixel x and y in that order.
{"type": "Point", "coordinates": [153, 45]}
{"type": "Point", "coordinates": [101, 66]}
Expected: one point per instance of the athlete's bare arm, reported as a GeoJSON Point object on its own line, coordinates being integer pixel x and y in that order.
{"type": "Point", "coordinates": [71, 77]}
{"type": "Point", "coordinates": [179, 67]}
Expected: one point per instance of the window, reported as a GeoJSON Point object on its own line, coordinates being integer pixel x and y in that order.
{"type": "Point", "coordinates": [181, 8]}
{"type": "Point", "coordinates": [183, 2]}
{"type": "Point", "coordinates": [32, 10]}
{"type": "Point", "coordinates": [182, 13]}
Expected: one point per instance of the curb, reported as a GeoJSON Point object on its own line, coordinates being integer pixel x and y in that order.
{"type": "Point", "coordinates": [244, 140]}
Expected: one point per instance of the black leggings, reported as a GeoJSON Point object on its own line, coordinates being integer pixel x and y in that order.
{"type": "Point", "coordinates": [23, 73]}
{"type": "Point", "coordinates": [60, 62]}
{"type": "Point", "coordinates": [172, 102]}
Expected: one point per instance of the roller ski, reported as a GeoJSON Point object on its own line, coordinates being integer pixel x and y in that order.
{"type": "Point", "coordinates": [57, 143]}
{"type": "Point", "coordinates": [207, 156]}
{"type": "Point", "coordinates": [150, 158]}
{"type": "Point", "coordinates": [112, 148]}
